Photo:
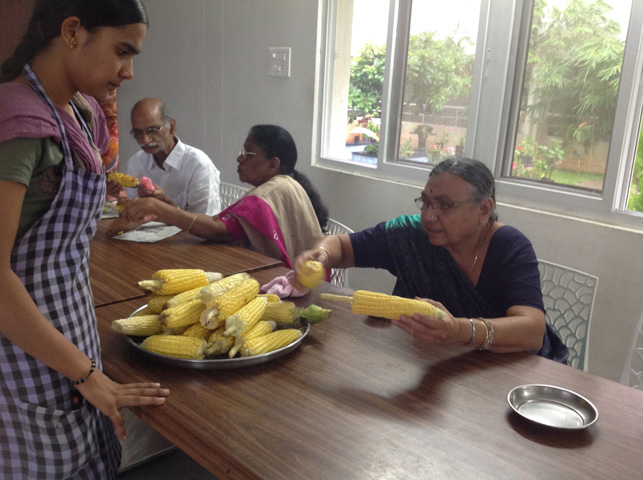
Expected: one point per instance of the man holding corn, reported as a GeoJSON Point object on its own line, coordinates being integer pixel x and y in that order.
{"type": "Point", "coordinates": [482, 274]}
{"type": "Point", "coordinates": [181, 175]}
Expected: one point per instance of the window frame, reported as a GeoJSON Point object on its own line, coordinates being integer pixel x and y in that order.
{"type": "Point", "coordinates": [501, 50]}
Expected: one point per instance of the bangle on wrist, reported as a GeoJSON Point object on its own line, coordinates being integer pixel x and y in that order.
{"type": "Point", "coordinates": [327, 253]}
{"type": "Point", "coordinates": [83, 380]}
{"type": "Point", "coordinates": [489, 337]}
{"type": "Point", "coordinates": [196, 215]}
{"type": "Point", "coordinates": [473, 332]}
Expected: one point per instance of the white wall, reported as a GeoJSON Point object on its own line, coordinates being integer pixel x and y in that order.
{"type": "Point", "coordinates": [207, 60]}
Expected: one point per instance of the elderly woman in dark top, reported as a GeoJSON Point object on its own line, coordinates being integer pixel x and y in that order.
{"type": "Point", "coordinates": [483, 273]}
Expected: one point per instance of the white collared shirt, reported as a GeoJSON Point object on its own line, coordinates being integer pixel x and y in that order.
{"type": "Point", "coordinates": [190, 178]}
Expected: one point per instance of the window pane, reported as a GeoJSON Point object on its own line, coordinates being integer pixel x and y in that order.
{"type": "Point", "coordinates": [437, 84]}
{"type": "Point", "coordinates": [635, 197]}
{"type": "Point", "coordinates": [569, 93]}
{"type": "Point", "coordinates": [353, 115]}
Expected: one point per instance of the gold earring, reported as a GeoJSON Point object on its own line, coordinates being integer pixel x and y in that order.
{"type": "Point", "coordinates": [72, 42]}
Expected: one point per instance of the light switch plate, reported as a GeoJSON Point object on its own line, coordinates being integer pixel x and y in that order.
{"type": "Point", "coordinates": [279, 61]}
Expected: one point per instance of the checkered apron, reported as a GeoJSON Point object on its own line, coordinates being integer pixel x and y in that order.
{"type": "Point", "coordinates": [43, 433]}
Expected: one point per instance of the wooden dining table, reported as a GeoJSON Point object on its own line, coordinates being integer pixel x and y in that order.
{"type": "Point", "coordinates": [360, 399]}
{"type": "Point", "coordinates": [115, 266]}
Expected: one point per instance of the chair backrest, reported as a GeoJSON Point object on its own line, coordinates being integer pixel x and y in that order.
{"type": "Point", "coordinates": [568, 296]}
{"type": "Point", "coordinates": [633, 370]}
{"type": "Point", "coordinates": [230, 193]}
{"type": "Point", "coordinates": [338, 276]}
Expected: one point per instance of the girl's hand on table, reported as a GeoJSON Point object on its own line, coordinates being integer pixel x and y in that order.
{"type": "Point", "coordinates": [108, 396]}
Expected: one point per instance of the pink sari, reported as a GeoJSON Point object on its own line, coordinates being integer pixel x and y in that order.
{"type": "Point", "coordinates": [275, 219]}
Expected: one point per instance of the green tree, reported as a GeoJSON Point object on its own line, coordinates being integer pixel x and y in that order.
{"type": "Point", "coordinates": [367, 82]}
{"type": "Point", "coordinates": [574, 69]}
{"type": "Point", "coordinates": [437, 71]}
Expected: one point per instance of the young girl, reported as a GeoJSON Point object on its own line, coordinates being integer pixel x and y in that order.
{"type": "Point", "coordinates": [58, 411]}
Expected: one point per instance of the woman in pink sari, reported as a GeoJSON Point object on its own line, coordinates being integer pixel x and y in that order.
{"type": "Point", "coordinates": [280, 216]}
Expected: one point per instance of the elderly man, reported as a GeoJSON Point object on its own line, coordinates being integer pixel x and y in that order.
{"type": "Point", "coordinates": [182, 175]}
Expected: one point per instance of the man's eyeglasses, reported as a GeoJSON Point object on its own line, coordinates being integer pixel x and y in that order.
{"type": "Point", "coordinates": [243, 153]}
{"type": "Point", "coordinates": [441, 205]}
{"type": "Point", "coordinates": [149, 131]}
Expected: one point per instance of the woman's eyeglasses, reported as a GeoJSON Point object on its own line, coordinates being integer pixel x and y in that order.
{"type": "Point", "coordinates": [149, 131]}
{"type": "Point", "coordinates": [440, 205]}
{"type": "Point", "coordinates": [243, 153]}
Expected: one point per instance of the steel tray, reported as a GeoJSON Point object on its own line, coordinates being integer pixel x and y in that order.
{"type": "Point", "coordinates": [553, 406]}
{"type": "Point", "coordinates": [219, 363]}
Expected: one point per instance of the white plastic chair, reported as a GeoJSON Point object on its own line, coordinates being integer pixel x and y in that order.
{"type": "Point", "coordinates": [633, 369]}
{"type": "Point", "coordinates": [568, 296]}
{"type": "Point", "coordinates": [338, 276]}
{"type": "Point", "coordinates": [230, 193]}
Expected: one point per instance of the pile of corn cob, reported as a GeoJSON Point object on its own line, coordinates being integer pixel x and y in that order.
{"type": "Point", "coordinates": [195, 315]}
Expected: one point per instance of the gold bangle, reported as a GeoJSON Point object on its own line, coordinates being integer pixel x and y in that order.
{"type": "Point", "coordinates": [327, 252]}
{"type": "Point", "coordinates": [489, 338]}
{"type": "Point", "coordinates": [486, 335]}
{"type": "Point", "coordinates": [192, 222]}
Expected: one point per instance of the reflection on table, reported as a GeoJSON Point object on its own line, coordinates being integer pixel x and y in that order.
{"type": "Point", "coordinates": [115, 266]}
{"type": "Point", "coordinates": [360, 400]}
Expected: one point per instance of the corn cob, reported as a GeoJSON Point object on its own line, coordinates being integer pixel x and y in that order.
{"type": "Point", "coordinates": [240, 323]}
{"type": "Point", "coordinates": [190, 348]}
{"type": "Point", "coordinates": [213, 290]}
{"type": "Point", "coordinates": [185, 313]}
{"type": "Point", "coordinates": [173, 281]}
{"type": "Point", "coordinates": [270, 342]}
{"type": "Point", "coordinates": [123, 179]}
{"type": "Point", "coordinates": [187, 295]}
{"type": "Point", "coordinates": [310, 274]}
{"type": "Point", "coordinates": [174, 330]}
{"type": "Point", "coordinates": [143, 325]}
{"type": "Point", "coordinates": [156, 303]}
{"type": "Point", "coordinates": [219, 343]}
{"type": "Point", "coordinates": [271, 297]}
{"type": "Point", "coordinates": [229, 302]}
{"type": "Point", "coordinates": [197, 330]}
{"type": "Point", "coordinates": [280, 312]}
{"type": "Point", "coordinates": [260, 328]}
{"type": "Point", "coordinates": [385, 306]}
{"type": "Point", "coordinates": [288, 312]}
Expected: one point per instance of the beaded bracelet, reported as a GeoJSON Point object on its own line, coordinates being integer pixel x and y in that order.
{"type": "Point", "coordinates": [489, 337]}
{"type": "Point", "coordinates": [91, 370]}
{"type": "Point", "coordinates": [473, 332]}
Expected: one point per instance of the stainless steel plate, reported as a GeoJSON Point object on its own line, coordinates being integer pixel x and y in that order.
{"type": "Point", "coordinates": [553, 406]}
{"type": "Point", "coordinates": [217, 363]}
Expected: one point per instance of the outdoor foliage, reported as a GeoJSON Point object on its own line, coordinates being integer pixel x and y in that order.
{"type": "Point", "coordinates": [635, 201]}
{"type": "Point", "coordinates": [438, 70]}
{"type": "Point", "coordinates": [367, 81]}
{"type": "Point", "coordinates": [574, 69]}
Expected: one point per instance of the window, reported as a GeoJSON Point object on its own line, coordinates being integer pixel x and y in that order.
{"type": "Point", "coordinates": [545, 92]}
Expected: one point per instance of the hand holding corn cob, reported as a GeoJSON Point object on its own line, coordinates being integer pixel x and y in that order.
{"type": "Point", "coordinates": [310, 274]}
{"type": "Point", "coordinates": [384, 306]}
